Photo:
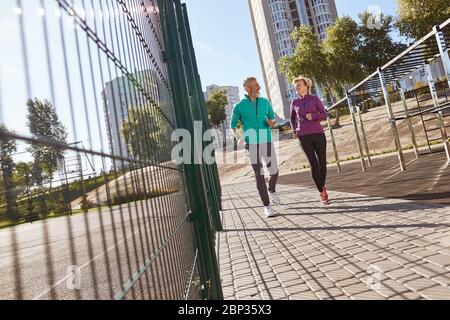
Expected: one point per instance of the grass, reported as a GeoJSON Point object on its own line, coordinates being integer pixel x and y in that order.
{"type": "Point", "coordinates": [8, 223]}
{"type": "Point", "coordinates": [5, 223]}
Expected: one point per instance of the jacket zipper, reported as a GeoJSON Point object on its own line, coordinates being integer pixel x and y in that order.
{"type": "Point", "coordinates": [257, 126]}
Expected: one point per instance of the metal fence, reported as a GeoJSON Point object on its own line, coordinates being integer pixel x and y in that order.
{"type": "Point", "coordinates": [92, 205]}
{"type": "Point", "coordinates": [389, 86]}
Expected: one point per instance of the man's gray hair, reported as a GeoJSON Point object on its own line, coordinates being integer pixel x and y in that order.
{"type": "Point", "coordinates": [248, 81]}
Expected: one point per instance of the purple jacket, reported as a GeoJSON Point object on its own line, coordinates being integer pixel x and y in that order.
{"type": "Point", "coordinates": [300, 108]}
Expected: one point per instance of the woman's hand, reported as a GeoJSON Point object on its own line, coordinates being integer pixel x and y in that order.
{"type": "Point", "coordinates": [295, 135]}
{"type": "Point", "coordinates": [309, 116]}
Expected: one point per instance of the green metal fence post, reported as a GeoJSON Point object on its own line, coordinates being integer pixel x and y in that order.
{"type": "Point", "coordinates": [203, 114]}
{"type": "Point", "coordinates": [197, 115]}
{"type": "Point", "coordinates": [209, 271]}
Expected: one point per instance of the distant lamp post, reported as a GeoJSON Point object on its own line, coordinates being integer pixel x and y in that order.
{"type": "Point", "coordinates": [62, 171]}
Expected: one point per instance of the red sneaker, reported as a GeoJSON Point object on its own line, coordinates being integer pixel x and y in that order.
{"type": "Point", "coordinates": [324, 196]}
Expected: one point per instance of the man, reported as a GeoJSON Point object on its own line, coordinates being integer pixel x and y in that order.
{"type": "Point", "coordinates": [257, 117]}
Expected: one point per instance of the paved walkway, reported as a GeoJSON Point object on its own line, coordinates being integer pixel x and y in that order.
{"type": "Point", "coordinates": [359, 247]}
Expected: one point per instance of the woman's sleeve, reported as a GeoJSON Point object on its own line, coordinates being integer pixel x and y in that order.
{"type": "Point", "coordinates": [321, 114]}
{"type": "Point", "coordinates": [293, 117]}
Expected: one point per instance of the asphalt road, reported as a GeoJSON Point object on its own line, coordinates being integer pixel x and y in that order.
{"type": "Point", "coordinates": [34, 264]}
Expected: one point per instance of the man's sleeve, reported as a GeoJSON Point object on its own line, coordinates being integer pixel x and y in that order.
{"type": "Point", "coordinates": [271, 114]}
{"type": "Point", "coordinates": [293, 118]}
{"type": "Point", "coordinates": [235, 117]}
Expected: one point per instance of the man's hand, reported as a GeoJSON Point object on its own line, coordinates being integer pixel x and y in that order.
{"type": "Point", "coordinates": [309, 116]}
{"type": "Point", "coordinates": [240, 143]}
{"type": "Point", "coordinates": [295, 135]}
{"type": "Point", "coordinates": [235, 134]}
{"type": "Point", "coordinates": [271, 123]}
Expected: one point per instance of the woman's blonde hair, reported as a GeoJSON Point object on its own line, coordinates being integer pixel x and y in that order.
{"type": "Point", "coordinates": [308, 82]}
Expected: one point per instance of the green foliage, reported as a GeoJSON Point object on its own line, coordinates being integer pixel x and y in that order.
{"type": "Point", "coordinates": [308, 60]}
{"type": "Point", "coordinates": [350, 52]}
{"type": "Point", "coordinates": [44, 123]}
{"type": "Point", "coordinates": [9, 194]}
{"type": "Point", "coordinates": [376, 46]}
{"type": "Point", "coordinates": [134, 197]}
{"type": "Point", "coordinates": [75, 192]}
{"type": "Point", "coordinates": [86, 204]}
{"type": "Point", "coordinates": [342, 112]}
{"type": "Point", "coordinates": [341, 49]}
{"type": "Point", "coordinates": [216, 107]}
{"type": "Point", "coordinates": [144, 134]}
{"type": "Point", "coordinates": [56, 201]}
{"type": "Point", "coordinates": [418, 17]}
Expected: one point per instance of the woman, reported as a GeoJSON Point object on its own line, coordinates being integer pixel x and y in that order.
{"type": "Point", "coordinates": [307, 112]}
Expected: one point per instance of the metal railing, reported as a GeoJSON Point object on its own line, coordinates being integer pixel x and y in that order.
{"type": "Point", "coordinates": [388, 84]}
{"type": "Point", "coordinates": [91, 204]}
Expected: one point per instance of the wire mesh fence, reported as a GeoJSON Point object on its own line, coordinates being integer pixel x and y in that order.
{"type": "Point", "coordinates": [91, 204]}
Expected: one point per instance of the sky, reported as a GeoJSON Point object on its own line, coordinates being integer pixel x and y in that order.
{"type": "Point", "coordinates": [79, 116]}
{"type": "Point", "coordinates": [225, 43]}
{"type": "Point", "coordinates": [223, 39]}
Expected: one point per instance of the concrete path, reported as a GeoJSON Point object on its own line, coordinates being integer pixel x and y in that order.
{"type": "Point", "coordinates": [107, 248]}
{"type": "Point", "coordinates": [359, 247]}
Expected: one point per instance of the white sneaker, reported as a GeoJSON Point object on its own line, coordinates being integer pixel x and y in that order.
{"type": "Point", "coordinates": [268, 211]}
{"type": "Point", "coordinates": [275, 198]}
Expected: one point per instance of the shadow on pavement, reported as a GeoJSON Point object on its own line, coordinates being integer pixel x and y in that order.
{"type": "Point", "coordinates": [426, 180]}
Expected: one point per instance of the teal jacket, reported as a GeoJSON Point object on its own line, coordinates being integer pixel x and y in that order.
{"type": "Point", "coordinates": [253, 116]}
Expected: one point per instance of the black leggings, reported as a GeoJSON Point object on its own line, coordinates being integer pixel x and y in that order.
{"type": "Point", "coordinates": [315, 148]}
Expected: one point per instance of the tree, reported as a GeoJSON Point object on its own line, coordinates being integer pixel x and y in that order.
{"type": "Point", "coordinates": [216, 107]}
{"type": "Point", "coordinates": [308, 59]}
{"type": "Point", "coordinates": [349, 53]}
{"type": "Point", "coordinates": [418, 17]}
{"type": "Point", "coordinates": [7, 148]}
{"type": "Point", "coordinates": [312, 60]}
{"type": "Point", "coordinates": [23, 178]}
{"type": "Point", "coordinates": [216, 110]}
{"type": "Point", "coordinates": [143, 135]}
{"type": "Point", "coordinates": [376, 46]}
{"type": "Point", "coordinates": [341, 50]}
{"type": "Point", "coordinates": [44, 123]}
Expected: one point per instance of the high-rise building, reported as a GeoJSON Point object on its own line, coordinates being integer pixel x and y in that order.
{"type": "Point", "coordinates": [273, 22]}
{"type": "Point", "coordinates": [119, 96]}
{"type": "Point", "coordinates": [232, 96]}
